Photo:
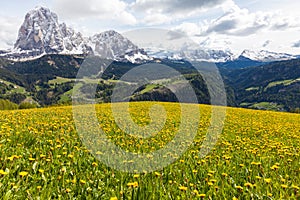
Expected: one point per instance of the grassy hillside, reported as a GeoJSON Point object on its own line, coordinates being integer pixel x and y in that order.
{"type": "Point", "coordinates": [256, 157]}
{"type": "Point", "coordinates": [274, 83]}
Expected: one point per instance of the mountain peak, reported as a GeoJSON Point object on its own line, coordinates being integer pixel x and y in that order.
{"type": "Point", "coordinates": [265, 56]}
{"type": "Point", "coordinates": [42, 33]}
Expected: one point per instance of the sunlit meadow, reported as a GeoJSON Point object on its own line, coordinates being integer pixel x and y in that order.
{"type": "Point", "coordinates": [256, 157]}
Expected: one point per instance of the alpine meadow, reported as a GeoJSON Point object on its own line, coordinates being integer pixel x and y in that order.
{"type": "Point", "coordinates": [150, 100]}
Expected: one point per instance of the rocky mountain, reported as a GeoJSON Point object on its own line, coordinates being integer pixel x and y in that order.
{"type": "Point", "coordinates": [42, 34]}
{"type": "Point", "coordinates": [265, 56]}
{"type": "Point", "coordinates": [208, 55]}
{"type": "Point", "coordinates": [113, 45]}
{"type": "Point", "coordinates": [222, 57]}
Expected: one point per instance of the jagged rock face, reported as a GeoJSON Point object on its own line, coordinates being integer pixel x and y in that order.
{"type": "Point", "coordinates": [111, 44]}
{"type": "Point", "coordinates": [42, 32]}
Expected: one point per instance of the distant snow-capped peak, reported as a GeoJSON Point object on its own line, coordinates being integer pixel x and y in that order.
{"type": "Point", "coordinates": [266, 56]}
{"type": "Point", "coordinates": [208, 55]}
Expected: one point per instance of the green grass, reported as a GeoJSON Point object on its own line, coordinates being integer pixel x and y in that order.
{"type": "Point", "coordinates": [16, 89]}
{"type": "Point", "coordinates": [267, 106]}
{"type": "Point", "coordinates": [59, 80]}
{"type": "Point", "coordinates": [256, 157]}
{"type": "Point", "coordinates": [252, 88]}
{"type": "Point", "coordinates": [284, 82]}
{"type": "Point", "coordinates": [148, 88]}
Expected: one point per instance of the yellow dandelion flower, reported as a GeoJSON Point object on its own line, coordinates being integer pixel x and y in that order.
{"type": "Point", "coordinates": [201, 195]}
{"type": "Point", "coordinates": [248, 185]}
{"type": "Point", "coordinates": [239, 187]}
{"type": "Point", "coordinates": [3, 172]}
{"type": "Point", "coordinates": [284, 186]}
{"type": "Point", "coordinates": [268, 180]}
{"type": "Point", "coordinates": [295, 187]}
{"type": "Point", "coordinates": [182, 188]}
{"type": "Point", "coordinates": [23, 173]}
{"type": "Point", "coordinates": [270, 195]}
{"type": "Point", "coordinates": [68, 190]}
{"type": "Point", "coordinates": [113, 198]}
{"type": "Point", "coordinates": [224, 174]}
{"type": "Point", "coordinates": [157, 174]}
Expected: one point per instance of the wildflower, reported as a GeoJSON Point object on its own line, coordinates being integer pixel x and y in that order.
{"type": "Point", "coordinates": [3, 172]}
{"type": "Point", "coordinates": [113, 198]}
{"type": "Point", "coordinates": [23, 173]}
{"type": "Point", "coordinates": [157, 174]}
{"type": "Point", "coordinates": [182, 188]}
{"type": "Point", "coordinates": [42, 156]}
{"type": "Point", "coordinates": [41, 171]}
{"type": "Point", "coordinates": [274, 167]}
{"type": "Point", "coordinates": [201, 195]}
{"type": "Point", "coordinates": [268, 180]}
{"type": "Point", "coordinates": [136, 176]}
{"type": "Point", "coordinates": [210, 183]}
{"type": "Point", "coordinates": [295, 187]}
{"type": "Point", "coordinates": [240, 188]}
{"type": "Point", "coordinates": [133, 184]}
{"type": "Point", "coordinates": [70, 156]}
{"type": "Point", "coordinates": [248, 185]}
{"type": "Point", "coordinates": [213, 180]}
{"type": "Point", "coordinates": [94, 164]}
{"type": "Point", "coordinates": [224, 174]}
{"type": "Point", "coordinates": [68, 190]}
{"type": "Point", "coordinates": [284, 186]}
{"type": "Point", "coordinates": [63, 169]}
{"type": "Point", "coordinates": [82, 182]}
{"type": "Point", "coordinates": [269, 195]}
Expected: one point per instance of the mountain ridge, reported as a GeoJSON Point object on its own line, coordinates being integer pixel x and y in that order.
{"type": "Point", "coordinates": [41, 33]}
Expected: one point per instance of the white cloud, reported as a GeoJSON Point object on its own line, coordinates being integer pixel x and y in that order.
{"type": "Point", "coordinates": [241, 22]}
{"type": "Point", "coordinates": [156, 19]}
{"type": "Point", "coordinates": [112, 10]}
{"type": "Point", "coordinates": [157, 12]}
{"type": "Point", "coordinates": [8, 31]}
{"type": "Point", "coordinates": [173, 6]}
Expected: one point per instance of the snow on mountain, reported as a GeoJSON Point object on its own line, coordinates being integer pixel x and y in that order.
{"type": "Point", "coordinates": [208, 55]}
{"type": "Point", "coordinates": [112, 45]}
{"type": "Point", "coordinates": [41, 34]}
{"type": "Point", "coordinates": [266, 56]}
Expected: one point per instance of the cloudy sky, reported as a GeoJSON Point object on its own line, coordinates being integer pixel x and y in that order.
{"type": "Point", "coordinates": [272, 25]}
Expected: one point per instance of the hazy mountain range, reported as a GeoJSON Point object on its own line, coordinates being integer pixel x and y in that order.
{"type": "Point", "coordinates": [41, 33]}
